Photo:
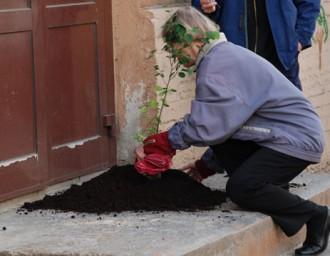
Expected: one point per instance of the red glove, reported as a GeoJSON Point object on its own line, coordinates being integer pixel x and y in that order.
{"type": "Point", "coordinates": [153, 164]}
{"type": "Point", "coordinates": [200, 171]}
{"type": "Point", "coordinates": [158, 144]}
{"type": "Point", "coordinates": [158, 153]}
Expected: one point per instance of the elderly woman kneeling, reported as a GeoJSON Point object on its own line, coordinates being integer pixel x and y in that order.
{"type": "Point", "coordinates": [256, 125]}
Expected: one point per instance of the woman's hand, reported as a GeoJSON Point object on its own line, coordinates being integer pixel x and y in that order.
{"type": "Point", "coordinates": [208, 6]}
{"type": "Point", "coordinates": [139, 153]}
{"type": "Point", "coordinates": [192, 171]}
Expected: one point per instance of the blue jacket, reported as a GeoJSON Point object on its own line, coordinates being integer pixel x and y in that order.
{"type": "Point", "coordinates": [242, 96]}
{"type": "Point", "coordinates": [291, 21]}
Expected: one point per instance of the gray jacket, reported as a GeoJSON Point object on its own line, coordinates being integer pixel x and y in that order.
{"type": "Point", "coordinates": [242, 96]}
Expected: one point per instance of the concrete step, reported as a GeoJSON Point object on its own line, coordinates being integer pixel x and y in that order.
{"type": "Point", "coordinates": [228, 231]}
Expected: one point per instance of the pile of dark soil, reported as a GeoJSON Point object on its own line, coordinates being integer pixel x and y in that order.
{"type": "Point", "coordinates": [123, 189]}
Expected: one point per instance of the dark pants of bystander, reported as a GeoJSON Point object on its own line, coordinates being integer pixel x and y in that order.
{"type": "Point", "coordinates": [292, 73]}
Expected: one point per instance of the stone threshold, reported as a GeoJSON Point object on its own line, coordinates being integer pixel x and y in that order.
{"type": "Point", "coordinates": [228, 231]}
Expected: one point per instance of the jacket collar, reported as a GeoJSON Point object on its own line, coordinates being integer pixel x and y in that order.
{"type": "Point", "coordinates": [208, 47]}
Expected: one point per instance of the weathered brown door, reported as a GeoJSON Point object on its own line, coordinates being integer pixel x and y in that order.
{"type": "Point", "coordinates": [20, 163]}
{"type": "Point", "coordinates": [56, 93]}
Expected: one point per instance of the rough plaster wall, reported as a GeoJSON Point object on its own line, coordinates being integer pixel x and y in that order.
{"type": "Point", "coordinates": [133, 40]}
{"type": "Point", "coordinates": [316, 85]}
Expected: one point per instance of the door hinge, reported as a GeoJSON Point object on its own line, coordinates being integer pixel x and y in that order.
{"type": "Point", "coordinates": [109, 121]}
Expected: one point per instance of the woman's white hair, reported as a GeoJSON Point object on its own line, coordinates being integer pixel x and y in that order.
{"type": "Point", "coordinates": [192, 20]}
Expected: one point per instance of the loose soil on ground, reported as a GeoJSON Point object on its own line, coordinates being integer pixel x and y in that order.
{"type": "Point", "coordinates": [123, 189]}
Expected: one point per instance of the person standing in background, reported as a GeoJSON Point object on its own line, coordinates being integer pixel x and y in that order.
{"type": "Point", "coordinates": [276, 30]}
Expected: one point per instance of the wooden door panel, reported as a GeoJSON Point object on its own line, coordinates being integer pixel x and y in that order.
{"type": "Point", "coordinates": [21, 176]}
{"type": "Point", "coordinates": [73, 84]}
{"type": "Point", "coordinates": [12, 20]}
{"type": "Point", "coordinates": [68, 2]}
{"type": "Point", "coordinates": [78, 158]}
{"type": "Point", "coordinates": [17, 118]}
{"type": "Point", "coordinates": [76, 89]}
{"type": "Point", "coordinates": [71, 15]}
{"type": "Point", "coordinates": [14, 4]}
{"type": "Point", "coordinates": [19, 156]}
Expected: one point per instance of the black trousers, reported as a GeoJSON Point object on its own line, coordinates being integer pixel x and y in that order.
{"type": "Point", "coordinates": [255, 178]}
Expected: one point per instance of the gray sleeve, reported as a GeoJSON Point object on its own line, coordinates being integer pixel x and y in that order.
{"type": "Point", "coordinates": [216, 113]}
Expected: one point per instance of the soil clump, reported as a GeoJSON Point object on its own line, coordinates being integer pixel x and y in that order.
{"type": "Point", "coordinates": [123, 189]}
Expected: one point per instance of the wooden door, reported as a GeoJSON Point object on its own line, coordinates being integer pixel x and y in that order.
{"type": "Point", "coordinates": [76, 87]}
{"type": "Point", "coordinates": [56, 92]}
{"type": "Point", "coordinates": [20, 161]}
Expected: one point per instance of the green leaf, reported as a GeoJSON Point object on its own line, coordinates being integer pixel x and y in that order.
{"type": "Point", "coordinates": [140, 136]}
{"type": "Point", "coordinates": [152, 130]}
{"type": "Point", "coordinates": [179, 30]}
{"type": "Point", "coordinates": [205, 40]}
{"type": "Point", "coordinates": [153, 104]}
{"type": "Point", "coordinates": [191, 71]}
{"type": "Point", "coordinates": [161, 74]}
{"type": "Point", "coordinates": [144, 109]}
{"type": "Point", "coordinates": [166, 48]}
{"type": "Point", "coordinates": [188, 39]}
{"type": "Point", "coordinates": [182, 74]}
{"type": "Point", "coordinates": [158, 88]}
{"type": "Point", "coordinates": [184, 59]}
{"type": "Point", "coordinates": [212, 35]}
{"type": "Point", "coordinates": [195, 30]}
{"type": "Point", "coordinates": [188, 71]}
{"type": "Point", "coordinates": [162, 93]}
{"type": "Point", "coordinates": [151, 53]}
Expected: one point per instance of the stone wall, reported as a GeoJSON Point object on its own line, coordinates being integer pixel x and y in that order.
{"type": "Point", "coordinates": [316, 84]}
{"type": "Point", "coordinates": [133, 35]}
{"type": "Point", "coordinates": [137, 26]}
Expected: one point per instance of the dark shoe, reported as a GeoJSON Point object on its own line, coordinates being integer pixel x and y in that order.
{"type": "Point", "coordinates": [317, 240]}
